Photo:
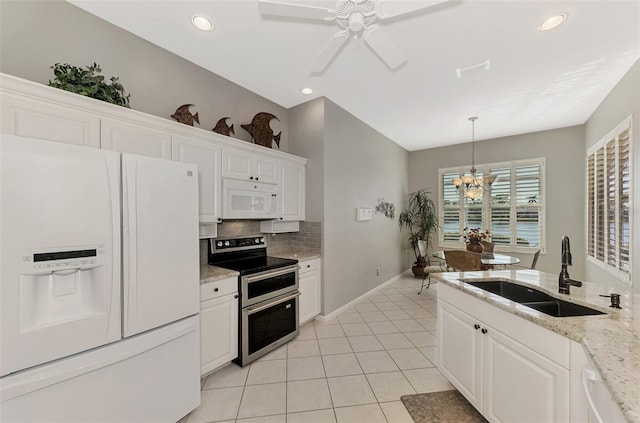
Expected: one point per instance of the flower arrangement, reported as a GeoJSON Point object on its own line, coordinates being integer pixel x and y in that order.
{"type": "Point", "coordinates": [474, 236]}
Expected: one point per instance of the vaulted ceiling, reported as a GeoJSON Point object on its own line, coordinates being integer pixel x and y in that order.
{"type": "Point", "coordinates": [535, 80]}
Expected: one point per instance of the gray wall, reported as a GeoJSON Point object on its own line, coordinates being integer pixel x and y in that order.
{"type": "Point", "coordinates": [350, 165]}
{"type": "Point", "coordinates": [36, 34]}
{"type": "Point", "coordinates": [306, 127]}
{"type": "Point", "coordinates": [621, 102]}
{"type": "Point", "coordinates": [360, 166]}
{"type": "Point", "coordinates": [563, 150]}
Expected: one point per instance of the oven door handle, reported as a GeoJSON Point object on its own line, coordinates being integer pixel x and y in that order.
{"type": "Point", "coordinates": [251, 311]}
{"type": "Point", "coordinates": [262, 276]}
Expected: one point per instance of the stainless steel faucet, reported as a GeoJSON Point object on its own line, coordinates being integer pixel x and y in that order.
{"type": "Point", "coordinates": [564, 281]}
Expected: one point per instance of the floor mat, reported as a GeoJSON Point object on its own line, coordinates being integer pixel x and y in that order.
{"type": "Point", "coordinates": [441, 407]}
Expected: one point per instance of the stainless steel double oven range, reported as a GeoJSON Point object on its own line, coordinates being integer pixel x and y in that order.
{"type": "Point", "coordinates": [268, 289]}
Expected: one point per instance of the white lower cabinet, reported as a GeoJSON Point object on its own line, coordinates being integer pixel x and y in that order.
{"type": "Point", "coordinates": [218, 324]}
{"type": "Point", "coordinates": [491, 358]}
{"type": "Point", "coordinates": [310, 289]}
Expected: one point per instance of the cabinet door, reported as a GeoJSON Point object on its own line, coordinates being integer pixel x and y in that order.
{"type": "Point", "coordinates": [237, 164]}
{"type": "Point", "coordinates": [48, 121]}
{"type": "Point", "coordinates": [460, 351]}
{"type": "Point", "coordinates": [218, 332]}
{"type": "Point", "coordinates": [521, 385]}
{"type": "Point", "coordinates": [135, 139]}
{"type": "Point", "coordinates": [207, 157]}
{"type": "Point", "coordinates": [266, 170]}
{"type": "Point", "coordinates": [310, 290]}
{"type": "Point", "coordinates": [292, 191]}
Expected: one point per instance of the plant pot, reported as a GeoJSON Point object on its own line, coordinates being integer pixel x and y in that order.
{"type": "Point", "coordinates": [418, 270]}
{"type": "Point", "coordinates": [475, 247]}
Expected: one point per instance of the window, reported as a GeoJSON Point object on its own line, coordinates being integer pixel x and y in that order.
{"type": "Point", "coordinates": [609, 202]}
{"type": "Point", "coordinates": [513, 210]}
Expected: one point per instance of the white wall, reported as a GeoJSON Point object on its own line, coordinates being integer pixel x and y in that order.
{"type": "Point", "coordinates": [564, 152]}
{"type": "Point", "coordinates": [622, 101]}
{"type": "Point", "coordinates": [35, 34]}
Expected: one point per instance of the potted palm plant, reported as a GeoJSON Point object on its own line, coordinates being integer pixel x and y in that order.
{"type": "Point", "coordinates": [420, 220]}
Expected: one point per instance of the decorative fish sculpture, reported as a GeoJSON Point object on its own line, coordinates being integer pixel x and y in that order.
{"type": "Point", "coordinates": [261, 132]}
{"type": "Point", "coordinates": [183, 115]}
{"type": "Point", "coordinates": [222, 127]}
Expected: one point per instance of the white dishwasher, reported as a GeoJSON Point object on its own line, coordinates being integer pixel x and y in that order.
{"type": "Point", "coordinates": [601, 406]}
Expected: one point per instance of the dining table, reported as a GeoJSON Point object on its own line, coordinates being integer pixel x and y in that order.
{"type": "Point", "coordinates": [487, 259]}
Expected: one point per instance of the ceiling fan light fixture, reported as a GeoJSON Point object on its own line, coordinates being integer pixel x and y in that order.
{"type": "Point", "coordinates": [552, 22]}
{"type": "Point", "coordinates": [306, 91]}
{"type": "Point", "coordinates": [202, 23]}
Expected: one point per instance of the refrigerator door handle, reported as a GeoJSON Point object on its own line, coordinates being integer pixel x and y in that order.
{"type": "Point", "coordinates": [129, 264]}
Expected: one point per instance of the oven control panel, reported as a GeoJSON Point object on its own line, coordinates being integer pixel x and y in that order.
{"type": "Point", "coordinates": [230, 244]}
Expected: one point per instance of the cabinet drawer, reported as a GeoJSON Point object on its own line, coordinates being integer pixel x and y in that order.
{"type": "Point", "coordinates": [309, 265]}
{"type": "Point", "coordinates": [216, 289]}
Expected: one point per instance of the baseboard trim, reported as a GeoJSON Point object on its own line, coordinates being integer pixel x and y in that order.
{"type": "Point", "coordinates": [324, 318]}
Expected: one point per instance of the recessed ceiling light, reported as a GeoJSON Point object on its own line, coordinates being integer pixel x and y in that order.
{"type": "Point", "coordinates": [552, 22]}
{"type": "Point", "coordinates": [202, 22]}
{"type": "Point", "coordinates": [306, 91]}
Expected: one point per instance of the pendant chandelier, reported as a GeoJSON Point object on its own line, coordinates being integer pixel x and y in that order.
{"type": "Point", "coordinates": [473, 185]}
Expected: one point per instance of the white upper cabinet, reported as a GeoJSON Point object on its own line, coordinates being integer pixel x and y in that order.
{"type": "Point", "coordinates": [206, 155]}
{"type": "Point", "coordinates": [136, 139]}
{"type": "Point", "coordinates": [249, 166]}
{"type": "Point", "coordinates": [32, 118]}
{"type": "Point", "coordinates": [292, 191]}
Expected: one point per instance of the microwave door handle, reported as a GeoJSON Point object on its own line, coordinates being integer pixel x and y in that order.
{"type": "Point", "coordinates": [272, 274]}
{"type": "Point", "coordinates": [251, 311]}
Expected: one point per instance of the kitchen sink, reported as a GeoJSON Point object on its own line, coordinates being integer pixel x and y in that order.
{"type": "Point", "coordinates": [535, 299]}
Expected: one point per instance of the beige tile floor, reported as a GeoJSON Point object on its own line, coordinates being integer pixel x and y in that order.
{"type": "Point", "coordinates": [352, 369]}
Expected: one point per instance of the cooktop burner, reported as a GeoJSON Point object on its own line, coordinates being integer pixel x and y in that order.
{"type": "Point", "coordinates": [246, 255]}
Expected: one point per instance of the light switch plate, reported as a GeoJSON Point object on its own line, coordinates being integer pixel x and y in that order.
{"type": "Point", "coordinates": [363, 214]}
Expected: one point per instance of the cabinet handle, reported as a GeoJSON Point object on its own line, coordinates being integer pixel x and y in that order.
{"type": "Point", "coordinates": [476, 326]}
{"type": "Point", "coordinates": [308, 265]}
{"type": "Point", "coordinates": [484, 330]}
{"type": "Point", "coordinates": [251, 177]}
{"type": "Point", "coordinates": [257, 178]}
{"type": "Point", "coordinates": [216, 289]}
{"type": "Point", "coordinates": [236, 296]}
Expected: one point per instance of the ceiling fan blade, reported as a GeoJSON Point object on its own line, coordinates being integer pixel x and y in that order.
{"type": "Point", "coordinates": [276, 8]}
{"type": "Point", "coordinates": [329, 51]}
{"type": "Point", "coordinates": [391, 9]}
{"type": "Point", "coordinates": [383, 46]}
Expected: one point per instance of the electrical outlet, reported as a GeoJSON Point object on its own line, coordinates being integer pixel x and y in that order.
{"type": "Point", "coordinates": [378, 271]}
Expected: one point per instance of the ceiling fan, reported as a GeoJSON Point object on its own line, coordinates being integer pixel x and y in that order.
{"type": "Point", "coordinates": [355, 17]}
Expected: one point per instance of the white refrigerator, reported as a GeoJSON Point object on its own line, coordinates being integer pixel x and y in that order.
{"type": "Point", "coordinates": [99, 285]}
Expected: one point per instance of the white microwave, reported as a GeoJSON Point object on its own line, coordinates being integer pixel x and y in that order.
{"type": "Point", "coordinates": [249, 200]}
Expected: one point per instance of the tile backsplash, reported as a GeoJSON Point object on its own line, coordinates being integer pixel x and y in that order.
{"type": "Point", "coordinates": [308, 240]}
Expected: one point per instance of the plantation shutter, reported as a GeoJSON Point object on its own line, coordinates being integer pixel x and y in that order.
{"type": "Point", "coordinates": [450, 208]}
{"type": "Point", "coordinates": [624, 195]}
{"type": "Point", "coordinates": [473, 210]}
{"type": "Point", "coordinates": [609, 200]}
{"type": "Point", "coordinates": [528, 206]}
{"type": "Point", "coordinates": [500, 207]}
{"type": "Point", "coordinates": [591, 211]}
{"type": "Point", "coordinates": [611, 182]}
{"type": "Point", "coordinates": [599, 230]}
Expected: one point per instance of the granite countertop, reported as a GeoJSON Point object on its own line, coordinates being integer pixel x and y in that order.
{"type": "Point", "coordinates": [612, 340]}
{"type": "Point", "coordinates": [210, 273]}
{"type": "Point", "coordinates": [297, 256]}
